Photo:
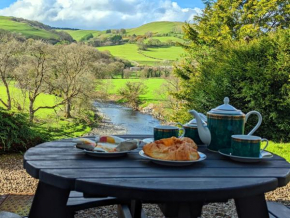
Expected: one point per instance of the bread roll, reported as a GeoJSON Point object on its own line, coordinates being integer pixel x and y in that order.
{"type": "Point", "coordinates": [174, 149]}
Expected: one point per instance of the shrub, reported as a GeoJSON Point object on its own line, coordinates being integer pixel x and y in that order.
{"type": "Point", "coordinates": [254, 75]}
{"type": "Point", "coordinates": [16, 134]}
{"type": "Point", "coordinates": [87, 37]}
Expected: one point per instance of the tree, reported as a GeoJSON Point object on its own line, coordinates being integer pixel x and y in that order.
{"type": "Point", "coordinates": [141, 45]}
{"type": "Point", "coordinates": [33, 72]}
{"type": "Point", "coordinates": [108, 31]}
{"type": "Point", "coordinates": [73, 73]}
{"type": "Point", "coordinates": [131, 93]}
{"type": "Point", "coordinates": [9, 52]}
{"type": "Point", "coordinates": [86, 37]}
{"type": "Point", "coordinates": [237, 19]}
{"type": "Point", "coordinates": [122, 31]}
{"type": "Point", "coordinates": [116, 39]}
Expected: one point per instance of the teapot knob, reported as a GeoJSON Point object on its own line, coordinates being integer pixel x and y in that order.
{"type": "Point", "coordinates": [226, 100]}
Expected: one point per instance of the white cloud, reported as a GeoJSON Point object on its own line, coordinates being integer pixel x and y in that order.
{"type": "Point", "coordinates": [99, 14]}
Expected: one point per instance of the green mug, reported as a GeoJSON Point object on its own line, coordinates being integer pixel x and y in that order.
{"type": "Point", "coordinates": [247, 145]}
{"type": "Point", "coordinates": [161, 132]}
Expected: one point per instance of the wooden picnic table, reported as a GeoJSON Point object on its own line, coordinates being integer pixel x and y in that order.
{"type": "Point", "coordinates": [180, 191]}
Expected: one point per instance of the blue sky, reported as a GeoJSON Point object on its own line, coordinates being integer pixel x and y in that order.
{"type": "Point", "coordinates": [101, 14]}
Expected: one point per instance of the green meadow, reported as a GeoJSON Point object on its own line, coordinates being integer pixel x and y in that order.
{"type": "Point", "coordinates": [167, 38]}
{"type": "Point", "coordinates": [150, 57]}
{"type": "Point", "coordinates": [7, 24]}
{"type": "Point", "coordinates": [78, 34]}
{"type": "Point", "coordinates": [165, 53]}
{"type": "Point", "coordinates": [153, 86]}
{"type": "Point", "coordinates": [48, 120]}
{"type": "Point", "coordinates": [162, 27]}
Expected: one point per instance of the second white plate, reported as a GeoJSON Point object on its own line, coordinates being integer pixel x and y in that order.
{"type": "Point", "coordinates": [173, 163]}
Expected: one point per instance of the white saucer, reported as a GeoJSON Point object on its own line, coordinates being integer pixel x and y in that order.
{"type": "Point", "coordinates": [263, 156]}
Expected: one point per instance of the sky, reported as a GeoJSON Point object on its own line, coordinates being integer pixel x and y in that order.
{"type": "Point", "coordinates": [101, 14]}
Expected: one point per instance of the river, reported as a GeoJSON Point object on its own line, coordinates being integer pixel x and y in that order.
{"type": "Point", "coordinates": [133, 121]}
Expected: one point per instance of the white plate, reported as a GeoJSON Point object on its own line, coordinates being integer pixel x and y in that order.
{"type": "Point", "coordinates": [228, 153]}
{"type": "Point", "coordinates": [105, 154]}
{"type": "Point", "coordinates": [148, 140]}
{"type": "Point", "coordinates": [173, 163]}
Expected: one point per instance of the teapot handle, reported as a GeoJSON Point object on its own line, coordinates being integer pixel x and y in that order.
{"type": "Point", "coordinates": [259, 121]}
{"type": "Point", "coordinates": [182, 128]}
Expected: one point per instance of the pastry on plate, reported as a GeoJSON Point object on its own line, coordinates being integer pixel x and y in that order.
{"type": "Point", "coordinates": [173, 149]}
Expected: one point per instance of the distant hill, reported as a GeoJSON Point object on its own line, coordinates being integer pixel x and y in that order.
{"type": "Point", "coordinates": [163, 31]}
{"type": "Point", "coordinates": [32, 29]}
{"type": "Point", "coordinates": [157, 28]}
{"type": "Point", "coordinates": [162, 27]}
{"type": "Point", "coordinates": [8, 23]}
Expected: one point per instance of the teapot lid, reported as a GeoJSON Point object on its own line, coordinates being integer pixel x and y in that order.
{"type": "Point", "coordinates": [226, 109]}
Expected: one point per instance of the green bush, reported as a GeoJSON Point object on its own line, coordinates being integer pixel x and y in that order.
{"type": "Point", "coordinates": [254, 75]}
{"type": "Point", "coordinates": [87, 37]}
{"type": "Point", "coordinates": [16, 134]}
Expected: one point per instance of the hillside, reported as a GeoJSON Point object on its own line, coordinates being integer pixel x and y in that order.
{"type": "Point", "coordinates": [162, 27]}
{"type": "Point", "coordinates": [78, 34]}
{"type": "Point", "coordinates": [165, 33]}
{"type": "Point", "coordinates": [7, 23]}
{"type": "Point", "coordinates": [157, 28]}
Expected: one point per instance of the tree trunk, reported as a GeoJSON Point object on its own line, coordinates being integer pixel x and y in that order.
{"type": "Point", "coordinates": [31, 111]}
{"type": "Point", "coordinates": [8, 94]}
{"type": "Point", "coordinates": [67, 109]}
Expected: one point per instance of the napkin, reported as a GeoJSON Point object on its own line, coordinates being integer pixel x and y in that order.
{"type": "Point", "coordinates": [127, 145]}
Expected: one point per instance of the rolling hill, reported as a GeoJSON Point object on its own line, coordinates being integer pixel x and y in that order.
{"type": "Point", "coordinates": [162, 31]}
{"type": "Point", "coordinates": [9, 24]}
{"type": "Point", "coordinates": [162, 27]}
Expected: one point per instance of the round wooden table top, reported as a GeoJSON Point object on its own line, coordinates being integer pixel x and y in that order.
{"type": "Point", "coordinates": [60, 164]}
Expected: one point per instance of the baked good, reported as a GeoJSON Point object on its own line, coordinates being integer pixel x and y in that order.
{"type": "Point", "coordinates": [84, 143]}
{"type": "Point", "coordinates": [108, 147]}
{"type": "Point", "coordinates": [174, 149]}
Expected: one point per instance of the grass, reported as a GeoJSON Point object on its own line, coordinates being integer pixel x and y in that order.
{"type": "Point", "coordinates": [281, 149]}
{"type": "Point", "coordinates": [165, 39]}
{"type": "Point", "coordinates": [153, 85]}
{"type": "Point", "coordinates": [7, 24]}
{"type": "Point", "coordinates": [127, 51]}
{"type": "Point", "coordinates": [161, 27]}
{"type": "Point", "coordinates": [151, 57]}
{"type": "Point", "coordinates": [164, 53]}
{"type": "Point", "coordinates": [78, 34]}
{"type": "Point", "coordinates": [48, 120]}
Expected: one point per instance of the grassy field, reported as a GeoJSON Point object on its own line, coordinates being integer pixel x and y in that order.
{"type": "Point", "coordinates": [127, 51]}
{"type": "Point", "coordinates": [151, 57]}
{"type": "Point", "coordinates": [7, 24]}
{"type": "Point", "coordinates": [78, 34]}
{"type": "Point", "coordinates": [161, 27]}
{"type": "Point", "coordinates": [281, 149]}
{"type": "Point", "coordinates": [153, 86]}
{"type": "Point", "coordinates": [165, 39]}
{"type": "Point", "coordinates": [48, 120]}
{"type": "Point", "coordinates": [171, 53]}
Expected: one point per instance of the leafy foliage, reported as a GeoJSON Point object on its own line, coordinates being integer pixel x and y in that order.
{"type": "Point", "coordinates": [238, 19]}
{"type": "Point", "coordinates": [255, 76]}
{"type": "Point", "coordinates": [86, 37]}
{"type": "Point", "coordinates": [16, 134]}
{"type": "Point", "coordinates": [131, 93]}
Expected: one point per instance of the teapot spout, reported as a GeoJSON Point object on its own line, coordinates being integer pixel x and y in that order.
{"type": "Point", "coordinates": [203, 131]}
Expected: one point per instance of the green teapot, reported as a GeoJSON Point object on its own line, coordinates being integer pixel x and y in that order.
{"type": "Point", "coordinates": [223, 122]}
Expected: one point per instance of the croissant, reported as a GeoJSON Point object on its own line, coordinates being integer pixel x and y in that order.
{"type": "Point", "coordinates": [173, 148]}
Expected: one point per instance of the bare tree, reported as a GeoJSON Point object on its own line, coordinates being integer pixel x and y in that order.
{"type": "Point", "coordinates": [9, 50]}
{"type": "Point", "coordinates": [33, 73]}
{"type": "Point", "coordinates": [74, 76]}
